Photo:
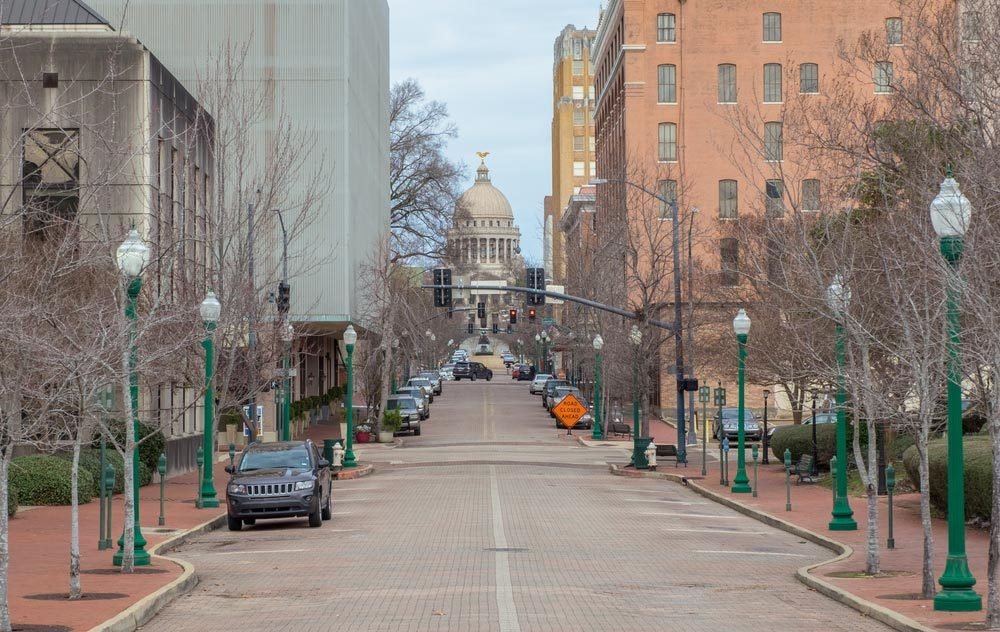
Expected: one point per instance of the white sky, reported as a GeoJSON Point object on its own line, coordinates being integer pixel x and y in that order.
{"type": "Point", "coordinates": [490, 61]}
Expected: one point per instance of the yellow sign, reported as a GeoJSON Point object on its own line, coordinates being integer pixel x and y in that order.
{"type": "Point", "coordinates": [569, 411]}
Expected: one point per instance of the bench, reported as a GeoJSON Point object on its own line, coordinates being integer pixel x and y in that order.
{"type": "Point", "coordinates": [620, 429]}
{"type": "Point", "coordinates": [666, 451]}
{"type": "Point", "coordinates": [804, 469]}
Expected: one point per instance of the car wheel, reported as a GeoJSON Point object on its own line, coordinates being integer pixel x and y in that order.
{"type": "Point", "coordinates": [416, 433]}
{"type": "Point", "coordinates": [235, 524]}
{"type": "Point", "coordinates": [316, 517]}
{"type": "Point", "coordinates": [250, 521]}
{"type": "Point", "coordinates": [489, 376]}
{"type": "Point", "coordinates": [328, 507]}
{"type": "Point", "coordinates": [473, 378]}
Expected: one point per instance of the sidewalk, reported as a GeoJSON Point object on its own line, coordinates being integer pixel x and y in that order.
{"type": "Point", "coordinates": [898, 588]}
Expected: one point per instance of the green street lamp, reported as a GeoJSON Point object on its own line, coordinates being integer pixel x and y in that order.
{"type": "Point", "coordinates": [838, 297]}
{"type": "Point", "coordinates": [210, 311]}
{"type": "Point", "coordinates": [350, 337]}
{"type": "Point", "coordinates": [538, 353]}
{"type": "Point", "coordinates": [133, 256]}
{"type": "Point", "coordinates": [545, 352]}
{"type": "Point", "coordinates": [638, 454]}
{"type": "Point", "coordinates": [598, 345]}
{"type": "Point", "coordinates": [741, 483]}
{"type": "Point", "coordinates": [950, 215]}
{"type": "Point", "coordinates": [392, 371]}
{"type": "Point", "coordinates": [287, 335]}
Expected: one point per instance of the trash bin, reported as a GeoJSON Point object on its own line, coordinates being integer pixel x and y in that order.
{"type": "Point", "coordinates": [328, 449]}
{"type": "Point", "coordinates": [639, 459]}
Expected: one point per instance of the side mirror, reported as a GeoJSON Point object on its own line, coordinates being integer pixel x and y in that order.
{"type": "Point", "coordinates": [230, 469]}
{"type": "Point", "coordinates": [323, 463]}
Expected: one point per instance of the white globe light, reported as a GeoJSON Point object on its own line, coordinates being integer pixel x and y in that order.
{"type": "Point", "coordinates": [598, 342]}
{"type": "Point", "coordinates": [132, 255]}
{"type": "Point", "coordinates": [635, 336]}
{"type": "Point", "coordinates": [741, 324]}
{"type": "Point", "coordinates": [838, 297]}
{"type": "Point", "coordinates": [287, 332]}
{"type": "Point", "coordinates": [350, 336]}
{"type": "Point", "coordinates": [951, 211]}
{"type": "Point", "coordinates": [211, 308]}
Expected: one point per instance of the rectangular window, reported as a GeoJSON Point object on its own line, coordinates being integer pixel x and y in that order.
{"type": "Point", "coordinates": [727, 83]}
{"type": "Point", "coordinates": [894, 31]}
{"type": "Point", "coordinates": [773, 142]}
{"type": "Point", "coordinates": [577, 49]}
{"type": "Point", "coordinates": [970, 26]}
{"type": "Point", "coordinates": [772, 27]}
{"type": "Point", "coordinates": [810, 195]}
{"type": "Point", "coordinates": [50, 181]}
{"type": "Point", "coordinates": [577, 68]}
{"type": "Point", "coordinates": [590, 91]}
{"type": "Point", "coordinates": [592, 146]}
{"type": "Point", "coordinates": [666, 81]}
{"type": "Point", "coordinates": [578, 168]}
{"type": "Point", "coordinates": [774, 204]}
{"type": "Point", "coordinates": [577, 117]}
{"type": "Point", "coordinates": [667, 190]}
{"type": "Point", "coordinates": [728, 199]}
{"type": "Point", "coordinates": [772, 83]}
{"type": "Point", "coordinates": [667, 143]}
{"type": "Point", "coordinates": [578, 143]}
{"type": "Point", "coordinates": [883, 77]}
{"type": "Point", "coordinates": [578, 92]}
{"type": "Point", "coordinates": [666, 28]}
{"type": "Point", "coordinates": [593, 169]}
{"type": "Point", "coordinates": [729, 259]}
{"type": "Point", "coordinates": [809, 79]}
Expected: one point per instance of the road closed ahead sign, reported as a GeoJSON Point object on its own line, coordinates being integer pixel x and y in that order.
{"type": "Point", "coordinates": [569, 410]}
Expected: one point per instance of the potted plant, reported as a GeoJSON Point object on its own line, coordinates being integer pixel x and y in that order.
{"type": "Point", "coordinates": [392, 421]}
{"type": "Point", "coordinates": [363, 433]}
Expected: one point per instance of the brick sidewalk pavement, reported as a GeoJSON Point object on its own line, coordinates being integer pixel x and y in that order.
{"type": "Point", "coordinates": [811, 507]}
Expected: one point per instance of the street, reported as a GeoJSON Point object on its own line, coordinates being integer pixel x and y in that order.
{"type": "Point", "coordinates": [493, 519]}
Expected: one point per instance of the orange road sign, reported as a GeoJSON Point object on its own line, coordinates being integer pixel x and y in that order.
{"type": "Point", "coordinates": [569, 411]}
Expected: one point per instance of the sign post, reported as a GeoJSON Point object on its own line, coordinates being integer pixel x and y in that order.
{"type": "Point", "coordinates": [569, 412]}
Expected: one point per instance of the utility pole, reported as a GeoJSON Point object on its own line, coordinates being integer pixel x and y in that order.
{"type": "Point", "coordinates": [678, 340]}
{"type": "Point", "coordinates": [252, 323]}
{"type": "Point", "coordinates": [284, 298]}
{"type": "Point", "coordinates": [692, 429]}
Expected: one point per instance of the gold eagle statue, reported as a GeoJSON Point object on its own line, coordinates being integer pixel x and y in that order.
{"type": "Point", "coordinates": [482, 155]}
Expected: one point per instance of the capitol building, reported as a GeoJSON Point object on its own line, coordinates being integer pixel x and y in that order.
{"type": "Point", "coordinates": [484, 243]}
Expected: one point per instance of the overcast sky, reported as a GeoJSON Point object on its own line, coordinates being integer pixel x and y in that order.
{"type": "Point", "coordinates": [490, 61]}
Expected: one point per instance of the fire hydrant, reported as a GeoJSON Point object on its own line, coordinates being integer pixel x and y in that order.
{"type": "Point", "coordinates": [338, 455]}
{"type": "Point", "coordinates": [651, 456]}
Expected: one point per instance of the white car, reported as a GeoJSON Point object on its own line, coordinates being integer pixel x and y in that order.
{"type": "Point", "coordinates": [538, 384]}
{"type": "Point", "coordinates": [445, 372]}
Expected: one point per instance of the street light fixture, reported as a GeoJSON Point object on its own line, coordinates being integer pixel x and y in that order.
{"type": "Point", "coordinates": [598, 345]}
{"type": "Point", "coordinates": [132, 257]}
{"type": "Point", "coordinates": [350, 338]}
{"type": "Point", "coordinates": [741, 483]}
{"type": "Point", "coordinates": [210, 309]}
{"type": "Point", "coordinates": [287, 335]}
{"type": "Point", "coordinates": [638, 453]}
{"type": "Point", "coordinates": [538, 353]}
{"type": "Point", "coordinates": [767, 441]}
{"type": "Point", "coordinates": [392, 371]}
{"type": "Point", "coordinates": [950, 215]}
{"type": "Point", "coordinates": [838, 298]}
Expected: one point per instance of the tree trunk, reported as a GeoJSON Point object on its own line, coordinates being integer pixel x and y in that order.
{"type": "Point", "coordinates": [75, 590]}
{"type": "Point", "coordinates": [927, 584]}
{"type": "Point", "coordinates": [5, 624]}
{"type": "Point", "coordinates": [993, 567]}
{"type": "Point", "coordinates": [128, 535]}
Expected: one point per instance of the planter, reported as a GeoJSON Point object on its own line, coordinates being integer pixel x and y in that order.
{"type": "Point", "coordinates": [363, 437]}
{"type": "Point", "coordinates": [385, 436]}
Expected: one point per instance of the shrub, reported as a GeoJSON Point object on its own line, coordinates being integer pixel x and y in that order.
{"type": "Point", "coordinates": [12, 500]}
{"type": "Point", "coordinates": [43, 479]}
{"type": "Point", "coordinates": [900, 444]}
{"type": "Point", "coordinates": [798, 439]}
{"type": "Point", "coordinates": [392, 420]}
{"type": "Point", "coordinates": [978, 474]}
{"type": "Point", "coordinates": [150, 448]}
{"type": "Point", "coordinates": [91, 461]}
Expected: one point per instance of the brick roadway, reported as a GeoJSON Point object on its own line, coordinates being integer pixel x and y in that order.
{"type": "Point", "coordinates": [492, 520]}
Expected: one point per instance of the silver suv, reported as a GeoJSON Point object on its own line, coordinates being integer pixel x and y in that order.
{"type": "Point", "coordinates": [728, 426]}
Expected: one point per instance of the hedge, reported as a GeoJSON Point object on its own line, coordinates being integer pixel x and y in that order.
{"type": "Point", "coordinates": [42, 479]}
{"type": "Point", "coordinates": [798, 439]}
{"type": "Point", "coordinates": [978, 473]}
{"type": "Point", "coordinates": [12, 500]}
{"type": "Point", "coordinates": [90, 460]}
{"type": "Point", "coordinates": [149, 450]}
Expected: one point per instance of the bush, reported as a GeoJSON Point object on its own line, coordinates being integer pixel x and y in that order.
{"type": "Point", "coordinates": [149, 450]}
{"type": "Point", "coordinates": [12, 500]}
{"type": "Point", "coordinates": [91, 461]}
{"type": "Point", "coordinates": [978, 475]}
{"type": "Point", "coordinates": [798, 439]}
{"type": "Point", "coordinates": [900, 444]}
{"type": "Point", "coordinates": [42, 479]}
{"type": "Point", "coordinates": [392, 420]}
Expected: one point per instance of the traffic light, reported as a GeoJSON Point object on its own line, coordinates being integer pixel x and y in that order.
{"type": "Point", "coordinates": [531, 314]}
{"type": "Point", "coordinates": [442, 296]}
{"type": "Point", "coordinates": [284, 297]}
{"type": "Point", "coordinates": [536, 281]}
{"type": "Point", "coordinates": [470, 328]}
{"type": "Point", "coordinates": [513, 317]}
{"type": "Point", "coordinates": [481, 310]}
{"type": "Point", "coordinates": [496, 328]}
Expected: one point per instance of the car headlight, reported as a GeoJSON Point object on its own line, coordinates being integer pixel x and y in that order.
{"type": "Point", "coordinates": [304, 485]}
{"type": "Point", "coordinates": [237, 489]}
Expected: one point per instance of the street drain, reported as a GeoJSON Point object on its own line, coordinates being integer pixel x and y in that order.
{"type": "Point", "coordinates": [29, 627]}
{"type": "Point", "coordinates": [85, 597]}
{"type": "Point", "coordinates": [507, 549]}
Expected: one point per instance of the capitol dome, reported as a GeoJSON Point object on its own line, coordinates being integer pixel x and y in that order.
{"type": "Point", "coordinates": [483, 200]}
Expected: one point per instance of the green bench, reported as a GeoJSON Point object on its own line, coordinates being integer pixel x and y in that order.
{"type": "Point", "coordinates": [804, 469]}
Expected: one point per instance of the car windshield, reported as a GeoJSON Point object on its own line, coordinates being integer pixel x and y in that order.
{"type": "Point", "coordinates": [560, 391]}
{"type": "Point", "coordinates": [401, 403]}
{"type": "Point", "coordinates": [420, 382]}
{"type": "Point", "coordinates": [825, 418]}
{"type": "Point", "coordinates": [295, 457]}
{"type": "Point", "coordinates": [732, 414]}
{"type": "Point", "coordinates": [542, 377]}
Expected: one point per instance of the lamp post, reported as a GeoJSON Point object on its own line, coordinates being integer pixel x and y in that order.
{"type": "Point", "coordinates": [638, 454]}
{"type": "Point", "coordinates": [950, 215]}
{"type": "Point", "coordinates": [350, 337]}
{"type": "Point", "coordinates": [132, 257]}
{"type": "Point", "coordinates": [598, 344]}
{"type": "Point", "coordinates": [392, 371]}
{"type": "Point", "coordinates": [545, 352]}
{"type": "Point", "coordinates": [838, 297]}
{"type": "Point", "coordinates": [210, 311]}
{"type": "Point", "coordinates": [538, 353]}
{"type": "Point", "coordinates": [741, 483]}
{"type": "Point", "coordinates": [287, 335]}
{"type": "Point", "coordinates": [763, 459]}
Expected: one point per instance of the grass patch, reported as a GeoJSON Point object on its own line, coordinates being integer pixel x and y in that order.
{"type": "Point", "coordinates": [856, 488]}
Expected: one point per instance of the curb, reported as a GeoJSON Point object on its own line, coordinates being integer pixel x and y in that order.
{"type": "Point", "coordinates": [146, 608]}
{"type": "Point", "coordinates": [882, 614]}
{"type": "Point", "coordinates": [358, 472]}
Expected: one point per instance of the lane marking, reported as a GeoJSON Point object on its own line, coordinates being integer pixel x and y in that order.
{"type": "Point", "coordinates": [755, 553]}
{"type": "Point", "coordinates": [506, 608]}
{"type": "Point", "coordinates": [256, 552]}
{"type": "Point", "coordinates": [711, 531]}
{"type": "Point", "coordinates": [680, 514]}
{"type": "Point", "coordinates": [657, 500]}
{"type": "Point", "coordinates": [352, 500]}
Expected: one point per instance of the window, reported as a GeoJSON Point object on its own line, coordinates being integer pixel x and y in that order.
{"type": "Point", "coordinates": [578, 143]}
{"type": "Point", "coordinates": [592, 143]}
{"type": "Point", "coordinates": [970, 26]}
{"type": "Point", "coordinates": [773, 143]}
{"type": "Point", "coordinates": [667, 190]}
{"type": "Point", "coordinates": [593, 169]}
{"type": "Point", "coordinates": [772, 83]}
{"type": "Point", "coordinates": [774, 206]}
{"type": "Point", "coordinates": [577, 49]}
{"type": "Point", "coordinates": [666, 28]}
{"type": "Point", "coordinates": [577, 117]}
{"type": "Point", "coordinates": [727, 83]}
{"type": "Point", "coordinates": [668, 143]}
{"type": "Point", "coordinates": [728, 199]}
{"type": "Point", "coordinates": [810, 195]}
{"type": "Point", "coordinates": [578, 92]}
{"type": "Point", "coordinates": [577, 68]}
{"type": "Point", "coordinates": [666, 81]}
{"type": "Point", "coordinates": [972, 76]}
{"type": "Point", "coordinates": [772, 27]}
{"type": "Point", "coordinates": [578, 168]}
{"type": "Point", "coordinates": [729, 256]}
{"type": "Point", "coordinates": [590, 91]}
{"type": "Point", "coordinates": [809, 79]}
{"type": "Point", "coordinates": [894, 31]}
{"type": "Point", "coordinates": [883, 77]}
{"type": "Point", "coordinates": [50, 180]}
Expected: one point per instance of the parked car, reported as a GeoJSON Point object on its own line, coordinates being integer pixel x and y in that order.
{"type": "Point", "coordinates": [728, 425]}
{"type": "Point", "coordinates": [549, 389]}
{"type": "Point", "coordinates": [407, 407]}
{"type": "Point", "coordinates": [424, 383]}
{"type": "Point", "coordinates": [508, 359]}
{"type": "Point", "coordinates": [434, 377]}
{"type": "Point", "coordinates": [284, 479]}
{"type": "Point", "coordinates": [538, 383]}
{"type": "Point", "coordinates": [820, 420]}
{"type": "Point", "coordinates": [445, 371]}
{"type": "Point", "coordinates": [559, 392]}
{"type": "Point", "coordinates": [524, 373]}
{"type": "Point", "coordinates": [417, 393]}
{"type": "Point", "coordinates": [585, 422]}
{"type": "Point", "coordinates": [472, 371]}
